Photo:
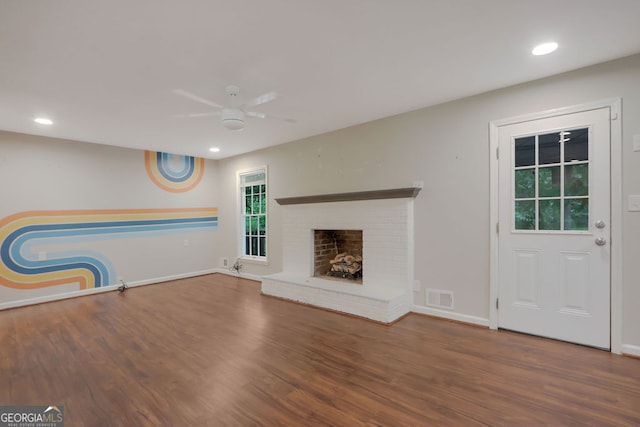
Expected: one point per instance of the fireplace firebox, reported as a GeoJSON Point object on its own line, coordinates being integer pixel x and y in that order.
{"type": "Point", "coordinates": [338, 255]}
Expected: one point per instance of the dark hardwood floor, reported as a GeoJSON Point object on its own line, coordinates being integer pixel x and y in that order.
{"type": "Point", "coordinates": [212, 351]}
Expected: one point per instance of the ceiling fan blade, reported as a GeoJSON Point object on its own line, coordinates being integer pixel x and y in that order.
{"type": "Point", "coordinates": [262, 99]}
{"type": "Point", "coordinates": [182, 116]}
{"type": "Point", "coordinates": [196, 98]}
{"type": "Point", "coordinates": [257, 115]}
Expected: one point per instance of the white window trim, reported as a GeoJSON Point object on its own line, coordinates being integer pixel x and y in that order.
{"type": "Point", "coordinates": [240, 224]}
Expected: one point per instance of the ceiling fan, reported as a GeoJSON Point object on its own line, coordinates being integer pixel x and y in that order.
{"type": "Point", "coordinates": [233, 114]}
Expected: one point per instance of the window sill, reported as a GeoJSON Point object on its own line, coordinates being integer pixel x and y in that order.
{"type": "Point", "coordinates": [254, 260]}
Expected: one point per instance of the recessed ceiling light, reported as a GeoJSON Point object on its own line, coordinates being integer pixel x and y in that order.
{"type": "Point", "coordinates": [214, 149]}
{"type": "Point", "coordinates": [43, 121]}
{"type": "Point", "coordinates": [544, 48]}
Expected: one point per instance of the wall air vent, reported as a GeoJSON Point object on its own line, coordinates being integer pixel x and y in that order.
{"type": "Point", "coordinates": [439, 298]}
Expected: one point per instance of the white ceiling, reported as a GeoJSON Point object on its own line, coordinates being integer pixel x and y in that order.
{"type": "Point", "coordinates": [104, 71]}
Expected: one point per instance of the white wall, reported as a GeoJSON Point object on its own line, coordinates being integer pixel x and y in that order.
{"type": "Point", "coordinates": [46, 175]}
{"type": "Point", "coordinates": [447, 147]}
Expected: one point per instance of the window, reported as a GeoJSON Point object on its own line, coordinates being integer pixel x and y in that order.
{"type": "Point", "coordinates": [253, 209]}
{"type": "Point", "coordinates": [551, 181]}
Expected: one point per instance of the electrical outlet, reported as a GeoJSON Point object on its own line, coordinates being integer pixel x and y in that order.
{"type": "Point", "coordinates": [416, 285]}
{"type": "Point", "coordinates": [223, 262]}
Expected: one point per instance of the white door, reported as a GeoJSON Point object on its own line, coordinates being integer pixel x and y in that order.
{"type": "Point", "coordinates": [554, 227]}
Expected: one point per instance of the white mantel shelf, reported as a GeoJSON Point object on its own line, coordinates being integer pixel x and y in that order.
{"type": "Point", "coordinates": [393, 193]}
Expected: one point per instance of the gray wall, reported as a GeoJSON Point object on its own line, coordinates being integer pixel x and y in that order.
{"type": "Point", "coordinates": [447, 147]}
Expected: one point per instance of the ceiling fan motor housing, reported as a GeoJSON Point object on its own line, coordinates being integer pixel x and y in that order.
{"type": "Point", "coordinates": [233, 118]}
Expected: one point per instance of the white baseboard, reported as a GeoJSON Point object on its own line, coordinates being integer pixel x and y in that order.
{"type": "Point", "coordinates": [170, 278]}
{"type": "Point", "coordinates": [459, 317]}
{"type": "Point", "coordinates": [235, 274]}
{"type": "Point", "coordinates": [56, 297]}
{"type": "Point", "coordinates": [631, 350]}
{"type": "Point", "coordinates": [79, 293]}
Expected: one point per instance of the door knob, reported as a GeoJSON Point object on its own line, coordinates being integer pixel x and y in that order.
{"type": "Point", "coordinates": [600, 224]}
{"type": "Point", "coordinates": [601, 241]}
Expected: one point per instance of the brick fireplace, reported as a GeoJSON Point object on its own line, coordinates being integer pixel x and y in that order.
{"type": "Point", "coordinates": [385, 219]}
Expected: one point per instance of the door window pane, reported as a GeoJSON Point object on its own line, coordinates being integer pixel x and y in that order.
{"type": "Point", "coordinates": [525, 183]}
{"type": "Point", "coordinates": [576, 214]}
{"type": "Point", "coordinates": [549, 148]}
{"type": "Point", "coordinates": [525, 215]}
{"type": "Point", "coordinates": [576, 145]}
{"type": "Point", "coordinates": [576, 180]}
{"type": "Point", "coordinates": [525, 151]}
{"type": "Point", "coordinates": [549, 181]}
{"type": "Point", "coordinates": [549, 214]}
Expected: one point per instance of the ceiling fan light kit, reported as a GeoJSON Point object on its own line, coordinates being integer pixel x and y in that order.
{"type": "Point", "coordinates": [233, 118]}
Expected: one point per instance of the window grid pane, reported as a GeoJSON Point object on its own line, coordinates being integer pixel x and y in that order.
{"type": "Point", "coordinates": [551, 181]}
{"type": "Point", "coordinates": [254, 213]}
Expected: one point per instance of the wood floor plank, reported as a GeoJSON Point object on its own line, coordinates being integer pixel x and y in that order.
{"type": "Point", "coordinates": [212, 350]}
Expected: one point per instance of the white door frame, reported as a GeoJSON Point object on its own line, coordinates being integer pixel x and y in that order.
{"type": "Point", "coordinates": [615, 106]}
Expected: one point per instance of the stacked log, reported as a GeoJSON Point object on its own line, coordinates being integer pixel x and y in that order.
{"type": "Point", "coordinates": [346, 263]}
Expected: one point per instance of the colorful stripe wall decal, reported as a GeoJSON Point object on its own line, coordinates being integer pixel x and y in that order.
{"type": "Point", "coordinates": [21, 269]}
{"type": "Point", "coordinates": [173, 172]}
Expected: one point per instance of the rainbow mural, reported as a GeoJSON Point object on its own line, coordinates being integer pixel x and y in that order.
{"type": "Point", "coordinates": [172, 172]}
{"type": "Point", "coordinates": [20, 267]}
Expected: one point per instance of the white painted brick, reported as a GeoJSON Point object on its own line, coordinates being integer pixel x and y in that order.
{"type": "Point", "coordinates": [385, 226]}
{"type": "Point", "coordinates": [384, 311]}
